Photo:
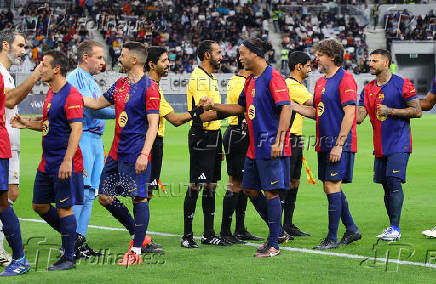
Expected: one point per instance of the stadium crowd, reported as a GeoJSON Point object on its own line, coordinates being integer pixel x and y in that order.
{"type": "Point", "coordinates": [304, 26]}
{"type": "Point", "coordinates": [404, 25]}
{"type": "Point", "coordinates": [180, 26]}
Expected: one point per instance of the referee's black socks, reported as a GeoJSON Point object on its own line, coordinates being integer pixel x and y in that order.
{"type": "Point", "coordinates": [229, 203]}
{"type": "Point", "coordinates": [208, 204]}
{"type": "Point", "coordinates": [189, 209]}
{"type": "Point", "coordinates": [241, 206]}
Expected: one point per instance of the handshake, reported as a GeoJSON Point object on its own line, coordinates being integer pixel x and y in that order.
{"type": "Point", "coordinates": [206, 103]}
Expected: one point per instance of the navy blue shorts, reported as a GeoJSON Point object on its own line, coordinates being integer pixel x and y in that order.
{"type": "Point", "coordinates": [339, 171]}
{"type": "Point", "coordinates": [266, 174]}
{"type": "Point", "coordinates": [4, 174]}
{"type": "Point", "coordinates": [119, 178]}
{"type": "Point", "coordinates": [65, 193]}
{"type": "Point", "coordinates": [393, 165]}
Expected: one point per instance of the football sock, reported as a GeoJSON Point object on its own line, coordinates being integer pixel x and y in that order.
{"type": "Point", "coordinates": [142, 214]}
{"type": "Point", "coordinates": [241, 206]}
{"type": "Point", "coordinates": [208, 204]}
{"type": "Point", "coordinates": [122, 214]}
{"type": "Point", "coordinates": [259, 203]}
{"type": "Point", "coordinates": [287, 198]}
{"type": "Point", "coordinates": [229, 203]}
{"type": "Point", "coordinates": [386, 200]}
{"type": "Point", "coordinates": [335, 211]}
{"type": "Point", "coordinates": [2, 236]}
{"type": "Point", "coordinates": [396, 198]}
{"type": "Point", "coordinates": [52, 218]}
{"type": "Point", "coordinates": [274, 217]}
{"type": "Point", "coordinates": [68, 226]}
{"type": "Point", "coordinates": [189, 209]}
{"type": "Point", "coordinates": [11, 230]}
{"type": "Point", "coordinates": [346, 217]}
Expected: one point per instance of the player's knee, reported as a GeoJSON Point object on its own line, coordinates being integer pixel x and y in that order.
{"type": "Point", "coordinates": [251, 193]}
{"type": "Point", "coordinates": [104, 200]}
{"type": "Point", "coordinates": [41, 209]}
{"type": "Point", "coordinates": [295, 183]}
{"type": "Point", "coordinates": [270, 194]}
{"type": "Point", "coordinates": [65, 211]}
{"type": "Point", "coordinates": [332, 187]}
{"type": "Point", "coordinates": [138, 199]}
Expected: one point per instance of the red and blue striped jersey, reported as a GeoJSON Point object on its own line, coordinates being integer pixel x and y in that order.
{"type": "Point", "coordinates": [262, 98]}
{"type": "Point", "coordinates": [390, 134]}
{"type": "Point", "coordinates": [433, 86]}
{"type": "Point", "coordinates": [330, 96]}
{"type": "Point", "coordinates": [59, 111]}
{"type": "Point", "coordinates": [132, 104]}
{"type": "Point", "coordinates": [5, 144]}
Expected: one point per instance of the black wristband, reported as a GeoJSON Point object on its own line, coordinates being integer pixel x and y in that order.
{"type": "Point", "coordinates": [196, 112]}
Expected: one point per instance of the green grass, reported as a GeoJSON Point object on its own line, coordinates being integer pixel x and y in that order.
{"type": "Point", "coordinates": [216, 264]}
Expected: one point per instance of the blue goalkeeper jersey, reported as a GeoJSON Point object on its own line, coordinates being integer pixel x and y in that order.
{"type": "Point", "coordinates": [93, 121]}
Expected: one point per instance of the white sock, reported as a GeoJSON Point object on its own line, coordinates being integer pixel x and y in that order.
{"type": "Point", "coordinates": [136, 250]}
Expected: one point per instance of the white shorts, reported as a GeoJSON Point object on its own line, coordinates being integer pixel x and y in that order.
{"type": "Point", "coordinates": [14, 168]}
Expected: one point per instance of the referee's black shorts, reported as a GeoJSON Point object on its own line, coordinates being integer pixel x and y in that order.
{"type": "Point", "coordinates": [156, 163]}
{"type": "Point", "coordinates": [297, 145]}
{"type": "Point", "coordinates": [235, 143]}
{"type": "Point", "coordinates": [205, 149]}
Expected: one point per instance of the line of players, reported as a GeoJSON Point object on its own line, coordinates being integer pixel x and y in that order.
{"type": "Point", "coordinates": [265, 101]}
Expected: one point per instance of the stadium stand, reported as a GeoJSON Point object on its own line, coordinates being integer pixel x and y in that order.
{"type": "Point", "coordinates": [181, 26]}
{"type": "Point", "coordinates": [305, 25]}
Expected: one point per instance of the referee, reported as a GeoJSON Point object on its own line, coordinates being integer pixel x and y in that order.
{"type": "Point", "coordinates": [299, 65]}
{"type": "Point", "coordinates": [205, 147]}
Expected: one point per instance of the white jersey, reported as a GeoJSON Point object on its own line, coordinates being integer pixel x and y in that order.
{"type": "Point", "coordinates": [14, 133]}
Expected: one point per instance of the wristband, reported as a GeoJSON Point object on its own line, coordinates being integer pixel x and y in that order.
{"type": "Point", "coordinates": [196, 112]}
{"type": "Point", "coordinates": [392, 112]}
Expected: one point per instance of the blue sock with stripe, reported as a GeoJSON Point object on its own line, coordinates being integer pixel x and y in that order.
{"type": "Point", "coordinates": [122, 214]}
{"type": "Point", "coordinates": [335, 212]}
{"type": "Point", "coordinates": [52, 218]}
{"type": "Point", "coordinates": [142, 215]}
{"type": "Point", "coordinates": [274, 210]}
{"type": "Point", "coordinates": [346, 217]}
{"type": "Point", "coordinates": [396, 199]}
{"type": "Point", "coordinates": [68, 226]}
{"type": "Point", "coordinates": [11, 230]}
{"type": "Point", "coordinates": [259, 203]}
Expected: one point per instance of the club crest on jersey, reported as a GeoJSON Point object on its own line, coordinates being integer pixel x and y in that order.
{"type": "Point", "coordinates": [381, 97]}
{"type": "Point", "coordinates": [122, 119]}
{"type": "Point", "coordinates": [253, 92]}
{"type": "Point", "coordinates": [45, 128]}
{"type": "Point", "coordinates": [322, 91]}
{"type": "Point", "coordinates": [126, 99]}
{"type": "Point", "coordinates": [251, 112]}
{"type": "Point", "coordinates": [48, 106]}
{"type": "Point", "coordinates": [320, 108]}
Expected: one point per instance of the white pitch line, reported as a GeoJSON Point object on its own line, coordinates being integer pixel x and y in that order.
{"type": "Point", "coordinates": [301, 250]}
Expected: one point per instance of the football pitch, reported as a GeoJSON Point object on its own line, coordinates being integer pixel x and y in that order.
{"type": "Point", "coordinates": [403, 261]}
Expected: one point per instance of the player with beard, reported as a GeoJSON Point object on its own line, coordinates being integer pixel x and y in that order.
{"type": "Point", "coordinates": [391, 102]}
{"type": "Point", "coordinates": [334, 108]}
{"type": "Point", "coordinates": [205, 147]}
{"type": "Point", "coordinates": [157, 66]}
{"type": "Point", "coordinates": [12, 51]}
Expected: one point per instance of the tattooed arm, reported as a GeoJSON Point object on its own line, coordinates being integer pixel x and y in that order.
{"type": "Point", "coordinates": [361, 114]}
{"type": "Point", "coordinates": [413, 110]}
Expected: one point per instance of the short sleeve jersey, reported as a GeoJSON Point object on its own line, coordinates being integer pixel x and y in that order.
{"type": "Point", "coordinates": [164, 109]}
{"type": "Point", "coordinates": [133, 102]}
{"type": "Point", "coordinates": [330, 96]}
{"type": "Point", "coordinates": [5, 145]}
{"type": "Point", "coordinates": [390, 134]}
{"type": "Point", "coordinates": [234, 89]}
{"type": "Point", "coordinates": [85, 83]}
{"type": "Point", "coordinates": [299, 94]}
{"type": "Point", "coordinates": [14, 133]}
{"type": "Point", "coordinates": [262, 98]}
{"type": "Point", "coordinates": [59, 111]}
{"type": "Point", "coordinates": [201, 84]}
